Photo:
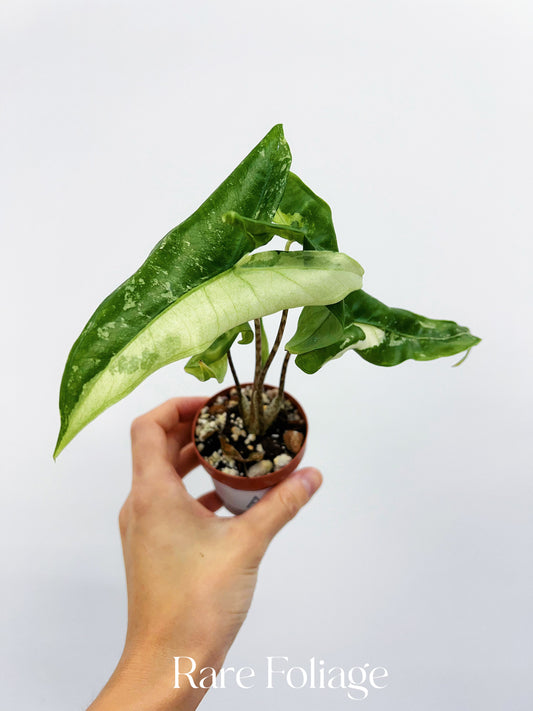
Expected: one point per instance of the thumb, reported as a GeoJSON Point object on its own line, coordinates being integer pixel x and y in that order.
{"type": "Point", "coordinates": [282, 503]}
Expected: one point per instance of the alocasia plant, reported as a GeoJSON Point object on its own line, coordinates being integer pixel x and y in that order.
{"type": "Point", "coordinates": [203, 284]}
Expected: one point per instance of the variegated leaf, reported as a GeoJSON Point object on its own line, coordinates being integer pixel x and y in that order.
{"type": "Point", "coordinates": [258, 285]}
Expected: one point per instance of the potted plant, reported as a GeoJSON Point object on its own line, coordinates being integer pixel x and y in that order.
{"type": "Point", "coordinates": [209, 283]}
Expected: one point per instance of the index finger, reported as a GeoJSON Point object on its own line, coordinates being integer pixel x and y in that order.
{"type": "Point", "coordinates": [149, 444]}
{"type": "Point", "coordinates": [178, 409]}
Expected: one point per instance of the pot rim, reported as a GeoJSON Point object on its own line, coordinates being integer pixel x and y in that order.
{"type": "Point", "coordinates": [245, 483]}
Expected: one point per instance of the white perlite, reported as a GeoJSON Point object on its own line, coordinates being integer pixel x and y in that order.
{"type": "Point", "coordinates": [206, 428]}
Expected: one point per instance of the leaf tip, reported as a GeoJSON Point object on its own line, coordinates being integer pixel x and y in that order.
{"type": "Point", "coordinates": [277, 134]}
{"type": "Point", "coordinates": [65, 436]}
{"type": "Point", "coordinates": [58, 449]}
{"type": "Point", "coordinates": [475, 341]}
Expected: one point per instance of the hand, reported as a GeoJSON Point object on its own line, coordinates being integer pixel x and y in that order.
{"type": "Point", "coordinates": [190, 574]}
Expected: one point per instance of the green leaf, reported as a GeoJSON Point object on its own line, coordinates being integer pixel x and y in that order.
{"type": "Point", "coordinates": [384, 336]}
{"type": "Point", "coordinates": [204, 371]}
{"type": "Point", "coordinates": [259, 233]}
{"type": "Point", "coordinates": [213, 361]}
{"type": "Point", "coordinates": [317, 328]}
{"type": "Point", "coordinates": [258, 285]}
{"type": "Point", "coordinates": [301, 217]}
{"type": "Point", "coordinates": [301, 208]}
{"type": "Point", "coordinates": [189, 255]}
{"type": "Point", "coordinates": [381, 335]}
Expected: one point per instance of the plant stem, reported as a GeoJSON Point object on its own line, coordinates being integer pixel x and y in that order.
{"type": "Point", "coordinates": [257, 415]}
{"type": "Point", "coordinates": [257, 395]}
{"type": "Point", "coordinates": [275, 347]}
{"type": "Point", "coordinates": [260, 380]}
{"type": "Point", "coordinates": [283, 374]}
{"type": "Point", "coordinates": [278, 402]}
{"type": "Point", "coordinates": [237, 383]}
{"type": "Point", "coordinates": [258, 343]}
{"type": "Point", "coordinates": [275, 406]}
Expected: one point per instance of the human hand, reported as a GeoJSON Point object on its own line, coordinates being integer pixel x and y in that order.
{"type": "Point", "coordinates": [190, 574]}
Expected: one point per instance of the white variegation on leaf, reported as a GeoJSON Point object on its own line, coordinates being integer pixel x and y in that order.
{"type": "Point", "coordinates": [258, 285]}
{"type": "Point", "coordinates": [378, 333]}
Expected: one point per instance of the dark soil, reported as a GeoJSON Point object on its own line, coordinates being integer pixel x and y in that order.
{"type": "Point", "coordinates": [221, 437]}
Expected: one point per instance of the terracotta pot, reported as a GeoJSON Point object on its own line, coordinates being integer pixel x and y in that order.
{"type": "Point", "coordinates": [240, 493]}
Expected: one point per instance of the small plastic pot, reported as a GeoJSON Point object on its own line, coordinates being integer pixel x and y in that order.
{"type": "Point", "coordinates": [239, 493]}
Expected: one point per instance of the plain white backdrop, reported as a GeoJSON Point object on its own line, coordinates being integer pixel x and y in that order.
{"type": "Point", "coordinates": [413, 120]}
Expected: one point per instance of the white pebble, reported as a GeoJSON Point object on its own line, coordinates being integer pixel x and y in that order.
{"type": "Point", "coordinates": [281, 460]}
{"type": "Point", "coordinates": [260, 468]}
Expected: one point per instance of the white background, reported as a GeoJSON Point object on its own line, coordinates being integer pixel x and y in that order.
{"type": "Point", "coordinates": [413, 119]}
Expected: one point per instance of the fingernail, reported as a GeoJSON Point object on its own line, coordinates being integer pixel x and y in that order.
{"type": "Point", "coordinates": [311, 479]}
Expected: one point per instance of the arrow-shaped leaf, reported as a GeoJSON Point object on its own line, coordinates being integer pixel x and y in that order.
{"type": "Point", "coordinates": [380, 334]}
{"type": "Point", "coordinates": [190, 254]}
{"type": "Point", "coordinates": [258, 285]}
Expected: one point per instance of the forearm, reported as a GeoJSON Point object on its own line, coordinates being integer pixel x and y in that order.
{"type": "Point", "coordinates": [145, 681]}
